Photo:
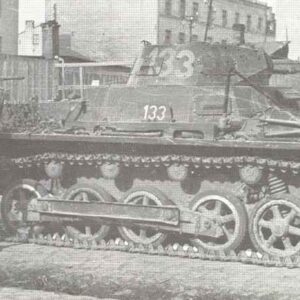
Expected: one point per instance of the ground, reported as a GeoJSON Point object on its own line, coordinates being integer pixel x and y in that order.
{"type": "Point", "coordinates": [118, 275]}
{"type": "Point", "coordinates": [20, 294]}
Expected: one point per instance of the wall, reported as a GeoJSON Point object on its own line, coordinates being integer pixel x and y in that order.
{"type": "Point", "coordinates": [106, 29]}
{"type": "Point", "coordinates": [9, 26]}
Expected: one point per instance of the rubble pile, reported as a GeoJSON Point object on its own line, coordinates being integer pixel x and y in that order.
{"type": "Point", "coordinates": [25, 118]}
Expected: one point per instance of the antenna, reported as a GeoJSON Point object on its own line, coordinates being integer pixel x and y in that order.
{"type": "Point", "coordinates": [286, 34]}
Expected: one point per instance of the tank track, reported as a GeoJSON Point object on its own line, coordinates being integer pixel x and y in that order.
{"type": "Point", "coordinates": [158, 161]}
{"type": "Point", "coordinates": [175, 250]}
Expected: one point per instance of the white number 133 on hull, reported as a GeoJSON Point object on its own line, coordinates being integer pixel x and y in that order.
{"type": "Point", "coordinates": [153, 112]}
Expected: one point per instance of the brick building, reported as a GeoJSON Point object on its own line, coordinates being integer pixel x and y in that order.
{"type": "Point", "coordinates": [9, 26]}
{"type": "Point", "coordinates": [113, 29]}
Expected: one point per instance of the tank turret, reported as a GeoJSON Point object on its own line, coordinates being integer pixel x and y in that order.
{"type": "Point", "coordinates": [199, 64]}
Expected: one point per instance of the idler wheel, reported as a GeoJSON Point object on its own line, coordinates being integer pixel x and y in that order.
{"type": "Point", "coordinates": [87, 230]}
{"type": "Point", "coordinates": [144, 196]}
{"type": "Point", "coordinates": [224, 215]}
{"type": "Point", "coordinates": [275, 226]}
{"type": "Point", "coordinates": [16, 202]}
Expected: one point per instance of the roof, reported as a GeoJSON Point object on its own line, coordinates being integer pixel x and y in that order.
{"type": "Point", "coordinates": [71, 55]}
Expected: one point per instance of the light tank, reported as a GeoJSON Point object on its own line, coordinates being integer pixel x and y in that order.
{"type": "Point", "coordinates": [197, 145]}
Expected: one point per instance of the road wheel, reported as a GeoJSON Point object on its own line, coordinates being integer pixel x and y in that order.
{"type": "Point", "coordinates": [147, 196]}
{"type": "Point", "coordinates": [87, 230]}
{"type": "Point", "coordinates": [275, 226]}
{"type": "Point", "coordinates": [15, 203]}
{"type": "Point", "coordinates": [226, 215]}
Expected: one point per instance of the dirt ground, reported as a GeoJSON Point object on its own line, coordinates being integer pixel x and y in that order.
{"type": "Point", "coordinates": [120, 275]}
{"type": "Point", "coordinates": [19, 294]}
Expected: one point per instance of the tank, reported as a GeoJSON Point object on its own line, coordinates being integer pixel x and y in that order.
{"type": "Point", "coordinates": [196, 147]}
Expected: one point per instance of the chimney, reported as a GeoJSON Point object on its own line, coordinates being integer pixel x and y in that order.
{"type": "Point", "coordinates": [50, 39]}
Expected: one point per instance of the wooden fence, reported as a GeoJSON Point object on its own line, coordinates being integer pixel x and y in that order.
{"type": "Point", "coordinates": [47, 79]}
{"type": "Point", "coordinates": [40, 77]}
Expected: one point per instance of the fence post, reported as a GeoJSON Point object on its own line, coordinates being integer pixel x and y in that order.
{"type": "Point", "coordinates": [81, 82]}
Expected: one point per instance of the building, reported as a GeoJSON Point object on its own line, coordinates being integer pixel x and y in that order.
{"type": "Point", "coordinates": [45, 41]}
{"type": "Point", "coordinates": [9, 26]}
{"type": "Point", "coordinates": [39, 41]}
{"type": "Point", "coordinates": [184, 20]}
{"type": "Point", "coordinates": [113, 29]}
{"type": "Point", "coordinates": [30, 41]}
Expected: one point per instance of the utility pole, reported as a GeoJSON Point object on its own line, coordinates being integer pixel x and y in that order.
{"type": "Point", "coordinates": [191, 20]}
{"type": "Point", "coordinates": [191, 23]}
{"type": "Point", "coordinates": [208, 21]}
{"type": "Point", "coordinates": [54, 12]}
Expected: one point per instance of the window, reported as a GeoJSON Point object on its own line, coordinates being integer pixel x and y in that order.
{"type": "Point", "coordinates": [271, 27]}
{"type": "Point", "coordinates": [168, 7]}
{"type": "Point", "coordinates": [194, 38]}
{"type": "Point", "coordinates": [195, 10]}
{"type": "Point", "coordinates": [0, 44]}
{"type": "Point", "coordinates": [212, 15]}
{"type": "Point", "coordinates": [259, 24]}
{"type": "Point", "coordinates": [224, 18]}
{"type": "Point", "coordinates": [181, 38]}
{"type": "Point", "coordinates": [182, 9]}
{"type": "Point", "coordinates": [168, 36]}
{"type": "Point", "coordinates": [36, 39]}
{"type": "Point", "coordinates": [249, 22]}
{"type": "Point", "coordinates": [210, 39]}
{"type": "Point", "coordinates": [237, 18]}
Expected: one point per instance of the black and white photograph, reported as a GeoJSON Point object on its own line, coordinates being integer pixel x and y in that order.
{"type": "Point", "coordinates": [150, 149]}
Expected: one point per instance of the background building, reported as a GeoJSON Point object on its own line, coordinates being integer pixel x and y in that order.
{"type": "Point", "coordinates": [45, 41]}
{"type": "Point", "coordinates": [30, 40]}
{"type": "Point", "coordinates": [9, 26]}
{"type": "Point", "coordinates": [176, 17]}
{"type": "Point", "coordinates": [113, 29]}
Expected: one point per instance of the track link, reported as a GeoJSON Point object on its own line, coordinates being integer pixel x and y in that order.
{"type": "Point", "coordinates": [157, 161]}
{"type": "Point", "coordinates": [175, 250]}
